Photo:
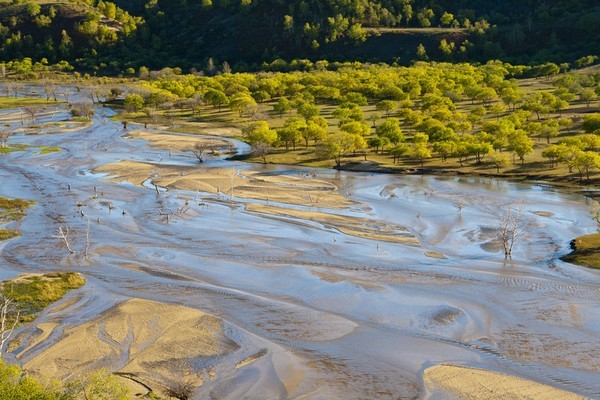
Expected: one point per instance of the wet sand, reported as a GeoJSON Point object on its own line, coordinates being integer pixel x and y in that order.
{"type": "Point", "coordinates": [316, 283]}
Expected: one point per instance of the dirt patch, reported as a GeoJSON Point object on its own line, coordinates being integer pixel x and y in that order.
{"type": "Point", "coordinates": [472, 384]}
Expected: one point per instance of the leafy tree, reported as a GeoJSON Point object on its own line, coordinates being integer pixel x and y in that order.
{"type": "Point", "coordinates": [259, 132]}
{"type": "Point", "coordinates": [390, 128]}
{"type": "Point", "coordinates": [308, 110]}
{"type": "Point", "coordinates": [292, 132]}
{"type": "Point", "coordinates": [499, 160]}
{"type": "Point", "coordinates": [591, 123]}
{"type": "Point", "coordinates": [316, 129]}
{"type": "Point", "coordinates": [520, 144]}
{"type": "Point", "coordinates": [387, 106]}
{"type": "Point", "coordinates": [586, 161]}
{"type": "Point", "coordinates": [420, 151]}
{"type": "Point", "coordinates": [133, 102]}
{"type": "Point", "coordinates": [215, 97]}
{"type": "Point", "coordinates": [282, 106]}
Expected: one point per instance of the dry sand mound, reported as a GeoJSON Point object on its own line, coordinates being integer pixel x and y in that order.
{"type": "Point", "coordinates": [168, 141]}
{"type": "Point", "coordinates": [157, 344]}
{"type": "Point", "coordinates": [242, 184]}
{"type": "Point", "coordinates": [474, 384]}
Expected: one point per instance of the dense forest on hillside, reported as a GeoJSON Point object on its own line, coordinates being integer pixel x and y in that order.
{"type": "Point", "coordinates": [111, 37]}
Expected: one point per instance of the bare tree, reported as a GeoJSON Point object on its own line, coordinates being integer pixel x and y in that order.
{"type": "Point", "coordinates": [261, 149]}
{"type": "Point", "coordinates": [14, 87]}
{"type": "Point", "coordinates": [512, 227]}
{"type": "Point", "coordinates": [87, 239]}
{"type": "Point", "coordinates": [63, 234]}
{"type": "Point", "coordinates": [181, 391]}
{"type": "Point", "coordinates": [32, 112]}
{"type": "Point", "coordinates": [82, 108]}
{"type": "Point", "coordinates": [9, 317]}
{"type": "Point", "coordinates": [8, 88]}
{"type": "Point", "coordinates": [50, 90]}
{"type": "Point", "coordinates": [4, 138]}
{"type": "Point", "coordinates": [201, 148]}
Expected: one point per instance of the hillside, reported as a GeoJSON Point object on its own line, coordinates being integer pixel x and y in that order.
{"type": "Point", "coordinates": [111, 37]}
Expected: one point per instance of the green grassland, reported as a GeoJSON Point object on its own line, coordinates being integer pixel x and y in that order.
{"type": "Point", "coordinates": [33, 293]}
{"type": "Point", "coordinates": [586, 251]}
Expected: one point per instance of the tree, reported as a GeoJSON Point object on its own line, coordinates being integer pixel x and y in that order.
{"type": "Point", "coordinates": [261, 149]}
{"type": "Point", "coordinates": [32, 112]}
{"type": "Point", "coordinates": [386, 106]}
{"type": "Point", "coordinates": [512, 227]}
{"type": "Point", "coordinates": [591, 123]}
{"type": "Point", "coordinates": [390, 128]}
{"type": "Point", "coordinates": [282, 106]}
{"type": "Point", "coordinates": [446, 19]}
{"type": "Point", "coordinates": [398, 151]}
{"type": "Point", "coordinates": [216, 98]}
{"type": "Point", "coordinates": [499, 161]}
{"type": "Point", "coordinates": [375, 142]}
{"type": "Point", "coordinates": [585, 161]}
{"type": "Point", "coordinates": [587, 95]}
{"type": "Point", "coordinates": [241, 102]}
{"type": "Point", "coordinates": [4, 138]}
{"type": "Point", "coordinates": [200, 148]}
{"type": "Point", "coordinates": [9, 316]}
{"type": "Point", "coordinates": [520, 144]}
{"type": "Point", "coordinates": [316, 129]}
{"type": "Point", "coordinates": [356, 128]}
{"type": "Point", "coordinates": [308, 110]}
{"type": "Point", "coordinates": [335, 146]}
{"type": "Point", "coordinates": [291, 132]}
{"type": "Point", "coordinates": [133, 102]}
{"type": "Point", "coordinates": [420, 152]}
{"type": "Point", "coordinates": [259, 132]}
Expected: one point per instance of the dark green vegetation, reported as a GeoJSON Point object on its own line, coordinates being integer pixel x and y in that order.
{"type": "Point", "coordinates": [211, 35]}
{"type": "Point", "coordinates": [33, 293]}
{"type": "Point", "coordinates": [586, 251]}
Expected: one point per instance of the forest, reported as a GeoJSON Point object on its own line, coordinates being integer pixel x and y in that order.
{"type": "Point", "coordinates": [121, 36]}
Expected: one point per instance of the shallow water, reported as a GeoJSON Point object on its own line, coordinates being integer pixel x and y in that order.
{"type": "Point", "coordinates": [340, 316]}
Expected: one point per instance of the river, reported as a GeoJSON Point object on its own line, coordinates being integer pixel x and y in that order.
{"type": "Point", "coordinates": [358, 316]}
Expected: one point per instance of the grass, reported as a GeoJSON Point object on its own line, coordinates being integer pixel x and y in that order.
{"type": "Point", "coordinates": [6, 234]}
{"type": "Point", "coordinates": [16, 102]}
{"type": "Point", "coordinates": [12, 148]}
{"type": "Point", "coordinates": [46, 150]}
{"type": "Point", "coordinates": [33, 293]}
{"type": "Point", "coordinates": [13, 210]}
{"type": "Point", "coordinates": [586, 251]}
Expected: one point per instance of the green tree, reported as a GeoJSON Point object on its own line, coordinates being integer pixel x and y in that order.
{"type": "Point", "coordinates": [420, 151]}
{"type": "Point", "coordinates": [390, 128]}
{"type": "Point", "coordinates": [520, 144]}
{"type": "Point", "coordinates": [291, 132]}
{"type": "Point", "coordinates": [387, 106]}
{"type": "Point", "coordinates": [308, 110]}
{"type": "Point", "coordinates": [591, 123]}
{"type": "Point", "coordinates": [499, 160]}
{"type": "Point", "coordinates": [586, 161]}
{"type": "Point", "coordinates": [259, 132]}
{"type": "Point", "coordinates": [133, 102]}
{"type": "Point", "coordinates": [282, 106]}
